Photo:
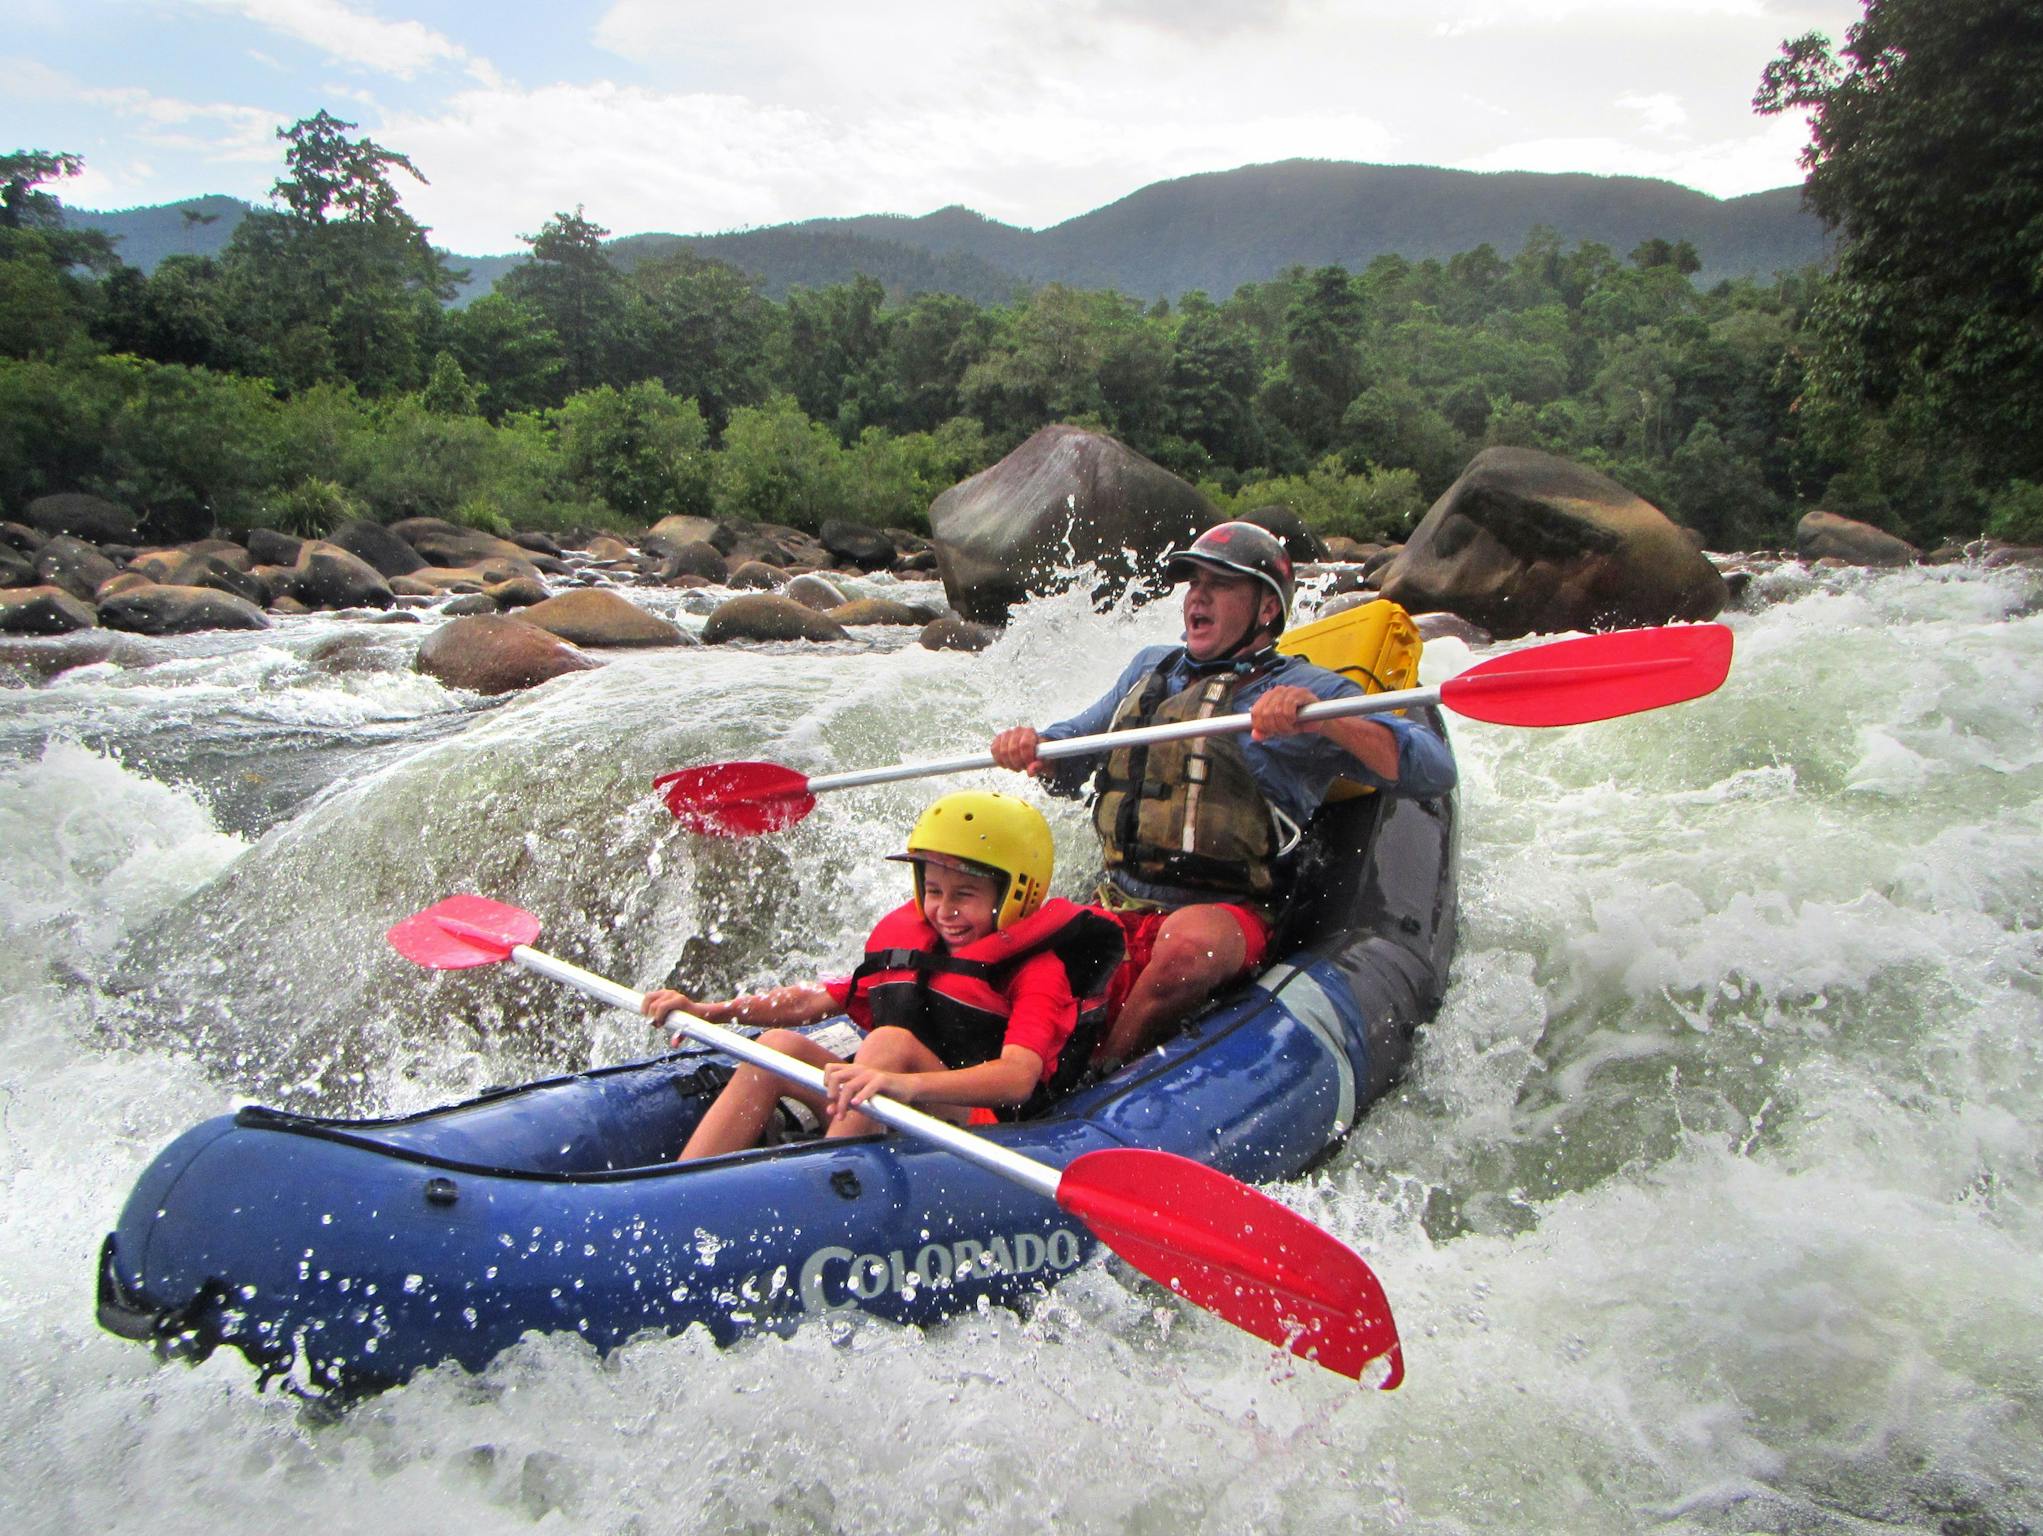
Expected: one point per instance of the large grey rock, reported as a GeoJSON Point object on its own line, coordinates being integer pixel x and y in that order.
{"type": "Point", "coordinates": [1063, 498]}
{"type": "Point", "coordinates": [493, 654]}
{"type": "Point", "coordinates": [1527, 543]}
{"type": "Point", "coordinates": [225, 550]}
{"type": "Point", "coordinates": [74, 565]}
{"type": "Point", "coordinates": [697, 557]}
{"type": "Point", "coordinates": [593, 616]}
{"type": "Point", "coordinates": [21, 537]}
{"type": "Point", "coordinates": [522, 592]}
{"type": "Point", "coordinates": [769, 616]}
{"type": "Point", "coordinates": [93, 518]}
{"type": "Point", "coordinates": [757, 575]}
{"type": "Point", "coordinates": [43, 611]}
{"type": "Point", "coordinates": [859, 543]}
{"type": "Point", "coordinates": [679, 529]}
{"type": "Point", "coordinates": [817, 592]}
{"type": "Point", "coordinates": [879, 610]}
{"type": "Point", "coordinates": [200, 568]}
{"type": "Point", "coordinates": [43, 657]}
{"type": "Point", "coordinates": [1827, 536]}
{"type": "Point", "coordinates": [266, 546]}
{"type": "Point", "coordinates": [954, 632]}
{"type": "Point", "coordinates": [775, 544]}
{"type": "Point", "coordinates": [159, 610]}
{"type": "Point", "coordinates": [327, 576]}
{"type": "Point", "coordinates": [444, 544]}
{"type": "Point", "coordinates": [382, 550]}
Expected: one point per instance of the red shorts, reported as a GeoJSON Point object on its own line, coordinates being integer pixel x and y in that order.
{"type": "Point", "coordinates": [1140, 930]}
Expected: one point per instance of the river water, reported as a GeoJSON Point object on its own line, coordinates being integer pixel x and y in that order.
{"type": "Point", "coordinates": [1714, 1201]}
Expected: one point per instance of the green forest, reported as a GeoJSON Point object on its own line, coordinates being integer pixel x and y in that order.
{"type": "Point", "coordinates": [314, 372]}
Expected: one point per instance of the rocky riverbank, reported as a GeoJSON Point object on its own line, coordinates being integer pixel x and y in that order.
{"type": "Point", "coordinates": [1522, 543]}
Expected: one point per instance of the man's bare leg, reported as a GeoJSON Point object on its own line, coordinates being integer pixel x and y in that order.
{"type": "Point", "coordinates": [1198, 950]}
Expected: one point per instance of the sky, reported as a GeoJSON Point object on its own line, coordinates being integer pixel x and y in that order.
{"type": "Point", "coordinates": [696, 118]}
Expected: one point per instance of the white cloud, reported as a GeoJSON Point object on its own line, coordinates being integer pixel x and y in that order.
{"type": "Point", "coordinates": [401, 49]}
{"type": "Point", "coordinates": [1731, 166]}
{"type": "Point", "coordinates": [1659, 112]}
{"type": "Point", "coordinates": [503, 161]}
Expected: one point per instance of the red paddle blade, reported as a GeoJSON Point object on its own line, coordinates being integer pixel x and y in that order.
{"type": "Point", "coordinates": [461, 932]}
{"type": "Point", "coordinates": [736, 799]}
{"type": "Point", "coordinates": [1238, 1253]}
{"type": "Point", "coordinates": [1597, 677]}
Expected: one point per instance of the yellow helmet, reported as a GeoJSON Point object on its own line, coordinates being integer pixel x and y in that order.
{"type": "Point", "coordinates": [985, 833]}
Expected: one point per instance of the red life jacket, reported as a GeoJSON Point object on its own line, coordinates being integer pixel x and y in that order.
{"type": "Point", "coordinates": [955, 1002]}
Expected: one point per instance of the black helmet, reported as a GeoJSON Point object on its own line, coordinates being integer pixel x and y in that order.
{"type": "Point", "coordinates": [1239, 549]}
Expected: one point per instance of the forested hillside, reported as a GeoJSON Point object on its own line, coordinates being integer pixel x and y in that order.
{"type": "Point", "coordinates": [1211, 233]}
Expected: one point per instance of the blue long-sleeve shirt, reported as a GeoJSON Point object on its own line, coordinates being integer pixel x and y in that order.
{"type": "Point", "coordinates": [1293, 771]}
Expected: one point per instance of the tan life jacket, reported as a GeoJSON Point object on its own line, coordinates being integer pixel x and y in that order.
{"type": "Point", "coordinates": [1186, 813]}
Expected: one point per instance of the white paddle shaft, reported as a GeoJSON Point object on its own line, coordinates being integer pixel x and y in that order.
{"type": "Point", "coordinates": [1025, 1171]}
{"type": "Point", "coordinates": [1142, 736]}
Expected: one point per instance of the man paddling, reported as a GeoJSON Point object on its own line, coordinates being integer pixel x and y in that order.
{"type": "Point", "coordinates": [1198, 834]}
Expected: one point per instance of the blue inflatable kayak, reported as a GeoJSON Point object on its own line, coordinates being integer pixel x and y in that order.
{"type": "Point", "coordinates": [352, 1253]}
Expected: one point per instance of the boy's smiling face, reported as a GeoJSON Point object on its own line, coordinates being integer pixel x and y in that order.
{"type": "Point", "coordinates": [960, 907]}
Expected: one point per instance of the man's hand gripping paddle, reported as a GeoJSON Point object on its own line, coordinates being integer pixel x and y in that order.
{"type": "Point", "coordinates": [1214, 1241]}
{"type": "Point", "coordinates": [1569, 682]}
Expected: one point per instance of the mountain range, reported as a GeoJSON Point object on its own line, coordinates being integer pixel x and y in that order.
{"type": "Point", "coordinates": [1212, 232]}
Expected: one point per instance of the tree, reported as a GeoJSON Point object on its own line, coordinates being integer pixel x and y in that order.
{"type": "Point", "coordinates": [836, 354]}
{"type": "Point", "coordinates": [342, 282]}
{"type": "Point", "coordinates": [24, 208]}
{"type": "Point", "coordinates": [1322, 362]}
{"type": "Point", "coordinates": [778, 466]}
{"type": "Point", "coordinates": [930, 344]}
{"type": "Point", "coordinates": [1926, 154]}
{"type": "Point", "coordinates": [582, 297]}
{"type": "Point", "coordinates": [640, 451]}
{"type": "Point", "coordinates": [505, 346]}
{"type": "Point", "coordinates": [707, 333]}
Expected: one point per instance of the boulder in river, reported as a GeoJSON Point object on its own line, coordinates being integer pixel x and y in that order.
{"type": "Point", "coordinates": [955, 632]}
{"type": "Point", "coordinates": [520, 592]}
{"type": "Point", "coordinates": [92, 518]}
{"type": "Point", "coordinates": [327, 576]}
{"type": "Point", "coordinates": [205, 568]}
{"type": "Point", "coordinates": [692, 557]}
{"type": "Point", "coordinates": [1063, 498]}
{"type": "Point", "coordinates": [879, 610]}
{"type": "Point", "coordinates": [43, 610]}
{"type": "Point", "coordinates": [769, 616]}
{"type": "Point", "coordinates": [1527, 543]}
{"type": "Point", "coordinates": [859, 544]}
{"type": "Point", "coordinates": [817, 592]}
{"type": "Point", "coordinates": [266, 546]}
{"type": "Point", "coordinates": [594, 616]}
{"type": "Point", "coordinates": [682, 529]}
{"type": "Point", "coordinates": [1827, 536]}
{"type": "Point", "coordinates": [160, 610]}
{"type": "Point", "coordinates": [757, 575]}
{"type": "Point", "coordinates": [492, 654]}
{"type": "Point", "coordinates": [74, 565]}
{"type": "Point", "coordinates": [444, 544]}
{"type": "Point", "coordinates": [386, 553]}
{"type": "Point", "coordinates": [45, 656]}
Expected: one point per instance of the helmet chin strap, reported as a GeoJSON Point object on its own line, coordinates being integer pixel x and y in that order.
{"type": "Point", "coordinates": [1243, 656]}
